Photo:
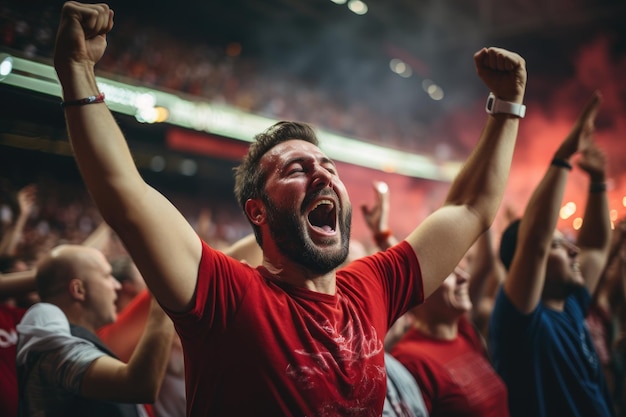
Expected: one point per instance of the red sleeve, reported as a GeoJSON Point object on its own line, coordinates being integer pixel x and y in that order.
{"type": "Point", "coordinates": [220, 289]}
{"type": "Point", "coordinates": [395, 275]}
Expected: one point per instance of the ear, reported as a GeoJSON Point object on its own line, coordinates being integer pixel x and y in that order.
{"type": "Point", "coordinates": [77, 290]}
{"type": "Point", "coordinates": [255, 210]}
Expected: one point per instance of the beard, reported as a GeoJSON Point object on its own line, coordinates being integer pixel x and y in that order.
{"type": "Point", "coordinates": [290, 237]}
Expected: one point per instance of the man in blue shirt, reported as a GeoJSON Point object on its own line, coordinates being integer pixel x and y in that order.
{"type": "Point", "coordinates": [538, 338]}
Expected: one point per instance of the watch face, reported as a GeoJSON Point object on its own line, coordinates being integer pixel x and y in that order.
{"type": "Point", "coordinates": [490, 101]}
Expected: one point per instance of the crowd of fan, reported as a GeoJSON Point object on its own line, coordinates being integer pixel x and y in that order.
{"type": "Point", "coordinates": [151, 57]}
{"type": "Point", "coordinates": [50, 211]}
{"type": "Point", "coordinates": [543, 309]}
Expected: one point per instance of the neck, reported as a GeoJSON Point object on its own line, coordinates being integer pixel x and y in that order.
{"type": "Point", "coordinates": [298, 276]}
{"type": "Point", "coordinates": [436, 327]}
{"type": "Point", "coordinates": [554, 304]}
{"type": "Point", "coordinates": [78, 317]}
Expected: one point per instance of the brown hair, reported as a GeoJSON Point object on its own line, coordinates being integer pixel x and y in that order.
{"type": "Point", "coordinates": [249, 178]}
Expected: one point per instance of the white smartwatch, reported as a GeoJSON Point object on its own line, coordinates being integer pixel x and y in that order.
{"type": "Point", "coordinates": [495, 105]}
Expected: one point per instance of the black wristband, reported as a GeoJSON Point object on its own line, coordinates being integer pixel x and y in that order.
{"type": "Point", "coordinates": [561, 163]}
{"type": "Point", "coordinates": [597, 187]}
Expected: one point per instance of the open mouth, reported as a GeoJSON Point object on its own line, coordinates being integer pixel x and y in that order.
{"type": "Point", "coordinates": [323, 216]}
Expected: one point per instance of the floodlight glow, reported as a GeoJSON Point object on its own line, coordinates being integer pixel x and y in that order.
{"type": "Point", "coordinates": [339, 1]}
{"type": "Point", "coordinates": [357, 7]}
{"type": "Point", "coordinates": [408, 71]}
{"type": "Point", "coordinates": [435, 92]}
{"type": "Point", "coordinates": [157, 163]}
{"type": "Point", "coordinates": [567, 210]}
{"type": "Point", "coordinates": [6, 65]}
{"type": "Point", "coordinates": [382, 187]}
{"type": "Point", "coordinates": [162, 114]}
{"type": "Point", "coordinates": [188, 167]}
{"type": "Point", "coordinates": [400, 67]}
{"type": "Point", "coordinates": [577, 223]}
{"type": "Point", "coordinates": [397, 65]}
{"type": "Point", "coordinates": [145, 100]}
{"type": "Point", "coordinates": [219, 119]}
{"type": "Point", "coordinates": [146, 115]}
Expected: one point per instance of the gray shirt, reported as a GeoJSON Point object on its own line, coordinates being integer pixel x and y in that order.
{"type": "Point", "coordinates": [404, 398]}
{"type": "Point", "coordinates": [51, 363]}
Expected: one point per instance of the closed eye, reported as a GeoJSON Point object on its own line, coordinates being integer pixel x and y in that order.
{"type": "Point", "coordinates": [295, 171]}
{"type": "Point", "coordinates": [294, 167]}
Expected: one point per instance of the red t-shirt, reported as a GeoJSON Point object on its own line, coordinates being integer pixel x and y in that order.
{"type": "Point", "coordinates": [257, 346]}
{"type": "Point", "coordinates": [9, 318]}
{"type": "Point", "coordinates": [455, 377]}
{"type": "Point", "coordinates": [599, 322]}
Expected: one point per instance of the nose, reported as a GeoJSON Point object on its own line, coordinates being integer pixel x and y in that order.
{"type": "Point", "coordinates": [572, 250]}
{"type": "Point", "coordinates": [462, 276]}
{"type": "Point", "coordinates": [322, 177]}
{"type": "Point", "coordinates": [116, 284]}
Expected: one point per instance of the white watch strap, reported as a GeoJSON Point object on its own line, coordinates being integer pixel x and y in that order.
{"type": "Point", "coordinates": [495, 105]}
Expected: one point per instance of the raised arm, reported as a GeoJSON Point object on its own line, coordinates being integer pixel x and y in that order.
{"type": "Point", "coordinates": [26, 200]}
{"type": "Point", "coordinates": [481, 266]}
{"type": "Point", "coordinates": [474, 197]}
{"type": "Point", "coordinates": [100, 238]}
{"type": "Point", "coordinates": [526, 277]}
{"type": "Point", "coordinates": [152, 230]}
{"type": "Point", "coordinates": [17, 283]}
{"type": "Point", "coordinates": [377, 217]}
{"type": "Point", "coordinates": [140, 379]}
{"type": "Point", "coordinates": [594, 238]}
{"type": "Point", "coordinates": [610, 291]}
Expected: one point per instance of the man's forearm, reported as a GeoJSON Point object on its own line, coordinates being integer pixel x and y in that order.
{"type": "Point", "coordinates": [148, 363]}
{"type": "Point", "coordinates": [101, 151]}
{"type": "Point", "coordinates": [595, 231]}
{"type": "Point", "coordinates": [17, 283]}
{"type": "Point", "coordinates": [542, 211]}
{"type": "Point", "coordinates": [480, 183]}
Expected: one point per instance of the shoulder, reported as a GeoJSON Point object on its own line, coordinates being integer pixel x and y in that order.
{"type": "Point", "coordinates": [580, 298]}
{"type": "Point", "coordinates": [213, 260]}
{"type": "Point", "coordinates": [415, 347]}
{"type": "Point", "coordinates": [45, 328]}
{"type": "Point", "coordinates": [46, 315]}
{"type": "Point", "coordinates": [399, 260]}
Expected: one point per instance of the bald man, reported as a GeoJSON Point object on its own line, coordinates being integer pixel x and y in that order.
{"type": "Point", "coordinates": [63, 368]}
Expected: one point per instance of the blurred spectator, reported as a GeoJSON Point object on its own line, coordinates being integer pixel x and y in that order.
{"type": "Point", "coordinates": [63, 368]}
{"type": "Point", "coordinates": [607, 317]}
{"type": "Point", "coordinates": [538, 338]}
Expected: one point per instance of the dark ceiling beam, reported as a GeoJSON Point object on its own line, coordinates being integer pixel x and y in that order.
{"type": "Point", "coordinates": [561, 19]}
{"type": "Point", "coordinates": [303, 8]}
{"type": "Point", "coordinates": [494, 21]}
